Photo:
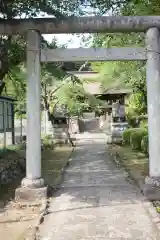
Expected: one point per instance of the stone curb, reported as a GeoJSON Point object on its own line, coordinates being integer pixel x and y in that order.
{"type": "Point", "coordinates": [155, 217]}
{"type": "Point", "coordinates": [32, 235]}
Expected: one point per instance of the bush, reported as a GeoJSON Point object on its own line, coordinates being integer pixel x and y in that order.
{"type": "Point", "coordinates": [132, 121]}
{"type": "Point", "coordinates": [48, 142]}
{"type": "Point", "coordinates": [136, 137]}
{"type": "Point", "coordinates": [126, 136]}
{"type": "Point", "coordinates": [144, 123]}
{"type": "Point", "coordinates": [144, 144]}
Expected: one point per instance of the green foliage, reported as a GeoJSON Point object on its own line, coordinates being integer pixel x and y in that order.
{"type": "Point", "coordinates": [117, 74]}
{"type": "Point", "coordinates": [158, 209]}
{"type": "Point", "coordinates": [15, 83]}
{"type": "Point", "coordinates": [144, 123]}
{"type": "Point", "coordinates": [126, 136]}
{"type": "Point", "coordinates": [127, 74]}
{"type": "Point", "coordinates": [77, 100]}
{"type": "Point", "coordinates": [12, 48]}
{"type": "Point", "coordinates": [16, 87]}
{"type": "Point", "coordinates": [144, 144]}
{"type": "Point", "coordinates": [137, 121]}
{"type": "Point", "coordinates": [48, 142]}
{"type": "Point", "coordinates": [11, 149]}
{"type": "Point", "coordinates": [135, 105]}
{"type": "Point", "coordinates": [123, 74]}
{"type": "Point", "coordinates": [132, 121]}
{"type": "Point", "coordinates": [136, 137]}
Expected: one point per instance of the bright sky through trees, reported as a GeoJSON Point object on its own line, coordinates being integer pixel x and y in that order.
{"type": "Point", "coordinates": [71, 40]}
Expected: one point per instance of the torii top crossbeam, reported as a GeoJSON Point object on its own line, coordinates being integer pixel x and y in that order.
{"type": "Point", "coordinates": [80, 25]}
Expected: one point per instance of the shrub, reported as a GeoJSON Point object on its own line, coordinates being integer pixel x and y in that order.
{"type": "Point", "coordinates": [144, 123]}
{"type": "Point", "coordinates": [48, 142]}
{"type": "Point", "coordinates": [144, 144]}
{"type": "Point", "coordinates": [48, 137]}
{"type": "Point", "coordinates": [132, 122]}
{"type": "Point", "coordinates": [136, 137]}
{"type": "Point", "coordinates": [126, 136]}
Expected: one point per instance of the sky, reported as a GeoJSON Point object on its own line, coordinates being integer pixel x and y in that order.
{"type": "Point", "coordinates": [72, 40]}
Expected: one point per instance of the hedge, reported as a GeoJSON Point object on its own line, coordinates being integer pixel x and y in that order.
{"type": "Point", "coordinates": [134, 136]}
{"type": "Point", "coordinates": [144, 144]}
{"type": "Point", "coordinates": [126, 136]}
{"type": "Point", "coordinates": [48, 142]}
{"type": "Point", "coordinates": [132, 122]}
{"type": "Point", "coordinates": [144, 124]}
{"type": "Point", "coordinates": [137, 121]}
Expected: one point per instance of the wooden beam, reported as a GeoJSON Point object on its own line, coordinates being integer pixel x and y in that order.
{"type": "Point", "coordinates": [93, 54]}
{"type": "Point", "coordinates": [80, 25]}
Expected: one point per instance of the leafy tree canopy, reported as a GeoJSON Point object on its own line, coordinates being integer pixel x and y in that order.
{"type": "Point", "coordinates": [12, 48]}
{"type": "Point", "coordinates": [127, 74]}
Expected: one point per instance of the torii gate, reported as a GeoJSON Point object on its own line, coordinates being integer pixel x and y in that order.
{"type": "Point", "coordinates": [33, 185]}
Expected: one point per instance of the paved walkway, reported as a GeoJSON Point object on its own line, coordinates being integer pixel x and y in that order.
{"type": "Point", "coordinates": [96, 201]}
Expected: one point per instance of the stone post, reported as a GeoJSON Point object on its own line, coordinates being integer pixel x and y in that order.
{"type": "Point", "coordinates": [33, 182]}
{"type": "Point", "coordinates": [152, 183]}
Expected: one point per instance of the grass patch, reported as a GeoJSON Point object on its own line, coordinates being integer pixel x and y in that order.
{"type": "Point", "coordinates": [135, 162]}
{"type": "Point", "coordinates": [132, 160]}
{"type": "Point", "coordinates": [53, 160]}
{"type": "Point", "coordinates": [10, 154]}
{"type": "Point", "coordinates": [13, 149]}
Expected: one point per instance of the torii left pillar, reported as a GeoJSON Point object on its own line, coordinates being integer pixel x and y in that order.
{"type": "Point", "coordinates": [32, 186]}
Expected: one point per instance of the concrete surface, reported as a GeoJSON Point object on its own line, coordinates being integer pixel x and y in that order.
{"type": "Point", "coordinates": [96, 200]}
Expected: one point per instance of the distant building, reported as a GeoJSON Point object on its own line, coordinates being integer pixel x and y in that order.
{"type": "Point", "coordinates": [6, 121]}
{"type": "Point", "coordinates": [112, 117]}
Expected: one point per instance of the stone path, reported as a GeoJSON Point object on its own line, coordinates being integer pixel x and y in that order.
{"type": "Point", "coordinates": [96, 201]}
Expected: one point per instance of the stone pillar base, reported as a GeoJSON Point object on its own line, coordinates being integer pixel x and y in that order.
{"type": "Point", "coordinates": [152, 188]}
{"type": "Point", "coordinates": [31, 194]}
{"type": "Point", "coordinates": [31, 190]}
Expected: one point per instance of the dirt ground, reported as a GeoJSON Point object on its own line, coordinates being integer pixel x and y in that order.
{"type": "Point", "coordinates": [132, 160]}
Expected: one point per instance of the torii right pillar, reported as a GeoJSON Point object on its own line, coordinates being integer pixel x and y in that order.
{"type": "Point", "coordinates": [152, 182]}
